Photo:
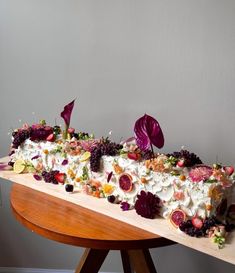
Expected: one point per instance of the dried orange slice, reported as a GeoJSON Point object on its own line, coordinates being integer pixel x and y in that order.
{"type": "Point", "coordinates": [177, 217]}
{"type": "Point", "coordinates": [125, 182]}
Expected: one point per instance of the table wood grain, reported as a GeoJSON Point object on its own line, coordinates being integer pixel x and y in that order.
{"type": "Point", "coordinates": [65, 222]}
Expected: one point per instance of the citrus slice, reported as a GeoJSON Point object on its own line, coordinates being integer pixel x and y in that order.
{"type": "Point", "coordinates": [177, 217]}
{"type": "Point", "coordinates": [19, 166]}
{"type": "Point", "coordinates": [125, 182]}
{"type": "Point", "coordinates": [85, 156]}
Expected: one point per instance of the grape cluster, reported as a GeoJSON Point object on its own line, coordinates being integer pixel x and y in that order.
{"type": "Point", "coordinates": [49, 177]}
{"type": "Point", "coordinates": [20, 136]}
{"type": "Point", "coordinates": [104, 147]}
{"type": "Point", "coordinates": [208, 223]}
{"type": "Point", "coordinates": [190, 159]}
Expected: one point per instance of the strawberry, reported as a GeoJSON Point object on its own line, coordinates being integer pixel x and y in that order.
{"type": "Point", "coordinates": [133, 156]}
{"type": "Point", "coordinates": [71, 130]}
{"type": "Point", "coordinates": [60, 177]}
{"type": "Point", "coordinates": [197, 222]}
{"type": "Point", "coordinates": [180, 163]}
{"type": "Point", "coordinates": [229, 170]}
{"type": "Point", "coordinates": [51, 137]}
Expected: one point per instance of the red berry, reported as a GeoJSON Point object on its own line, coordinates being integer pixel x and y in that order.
{"type": "Point", "coordinates": [229, 170]}
{"type": "Point", "coordinates": [180, 163]}
{"type": "Point", "coordinates": [133, 156]}
{"type": "Point", "coordinates": [71, 130]}
{"type": "Point", "coordinates": [51, 137]}
{"type": "Point", "coordinates": [197, 222]}
{"type": "Point", "coordinates": [60, 177]}
{"type": "Point", "coordinates": [177, 217]}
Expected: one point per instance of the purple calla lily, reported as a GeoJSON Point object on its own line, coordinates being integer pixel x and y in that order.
{"type": "Point", "coordinates": [148, 132]}
{"type": "Point", "coordinates": [66, 114]}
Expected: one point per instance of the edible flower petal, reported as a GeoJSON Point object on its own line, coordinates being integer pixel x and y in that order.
{"type": "Point", "coordinates": [66, 113]}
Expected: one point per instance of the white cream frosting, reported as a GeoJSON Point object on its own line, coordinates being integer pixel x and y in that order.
{"type": "Point", "coordinates": [193, 198]}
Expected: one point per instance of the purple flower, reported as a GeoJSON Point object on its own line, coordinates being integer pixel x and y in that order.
{"type": "Point", "coordinates": [125, 206]}
{"type": "Point", "coordinates": [147, 204]}
{"type": "Point", "coordinates": [66, 113]}
{"type": "Point", "coordinates": [5, 166]}
{"type": "Point", "coordinates": [65, 162]}
{"type": "Point", "coordinates": [109, 176]}
{"type": "Point", "coordinates": [35, 157]}
{"type": "Point", "coordinates": [148, 132]}
{"type": "Point", "coordinates": [37, 177]}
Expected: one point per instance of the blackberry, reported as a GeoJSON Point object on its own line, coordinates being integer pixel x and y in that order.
{"type": "Point", "coordinates": [49, 177]}
{"type": "Point", "coordinates": [69, 187]}
{"type": "Point", "coordinates": [111, 198]}
{"type": "Point", "coordinates": [190, 159]}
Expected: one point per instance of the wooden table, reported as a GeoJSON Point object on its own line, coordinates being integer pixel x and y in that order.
{"type": "Point", "coordinates": [154, 228]}
{"type": "Point", "coordinates": [67, 223]}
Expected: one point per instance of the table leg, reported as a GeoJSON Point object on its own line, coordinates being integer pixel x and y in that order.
{"type": "Point", "coordinates": [141, 261]}
{"type": "Point", "coordinates": [126, 262]}
{"type": "Point", "coordinates": [91, 260]}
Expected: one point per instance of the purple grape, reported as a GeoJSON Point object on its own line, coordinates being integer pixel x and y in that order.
{"type": "Point", "coordinates": [104, 147]}
{"type": "Point", "coordinates": [49, 177]}
{"type": "Point", "coordinates": [190, 159]}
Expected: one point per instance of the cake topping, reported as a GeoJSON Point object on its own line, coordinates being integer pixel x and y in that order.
{"type": "Point", "coordinates": [177, 217]}
{"type": "Point", "coordinates": [148, 133]}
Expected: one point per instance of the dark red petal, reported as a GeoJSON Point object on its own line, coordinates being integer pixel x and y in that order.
{"type": "Point", "coordinates": [148, 131]}
{"type": "Point", "coordinates": [66, 114]}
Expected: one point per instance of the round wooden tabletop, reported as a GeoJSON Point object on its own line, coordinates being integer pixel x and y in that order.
{"type": "Point", "coordinates": [68, 223]}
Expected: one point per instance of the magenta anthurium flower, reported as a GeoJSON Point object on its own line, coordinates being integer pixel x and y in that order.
{"type": "Point", "coordinates": [148, 132]}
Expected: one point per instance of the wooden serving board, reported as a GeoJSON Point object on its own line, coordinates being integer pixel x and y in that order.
{"type": "Point", "coordinates": [157, 226]}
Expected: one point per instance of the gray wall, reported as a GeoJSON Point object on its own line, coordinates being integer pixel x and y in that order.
{"type": "Point", "coordinates": [174, 60]}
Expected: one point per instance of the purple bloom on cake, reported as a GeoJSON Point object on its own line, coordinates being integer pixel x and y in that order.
{"type": "Point", "coordinates": [35, 157]}
{"type": "Point", "coordinates": [5, 166]}
{"type": "Point", "coordinates": [148, 132]}
{"type": "Point", "coordinates": [66, 113]}
{"type": "Point", "coordinates": [109, 176]}
{"type": "Point", "coordinates": [125, 206]}
{"type": "Point", "coordinates": [37, 177]}
{"type": "Point", "coordinates": [147, 204]}
{"type": "Point", "coordinates": [65, 162]}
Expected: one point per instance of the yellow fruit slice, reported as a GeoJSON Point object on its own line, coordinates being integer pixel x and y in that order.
{"type": "Point", "coordinates": [19, 166]}
{"type": "Point", "coordinates": [85, 156]}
